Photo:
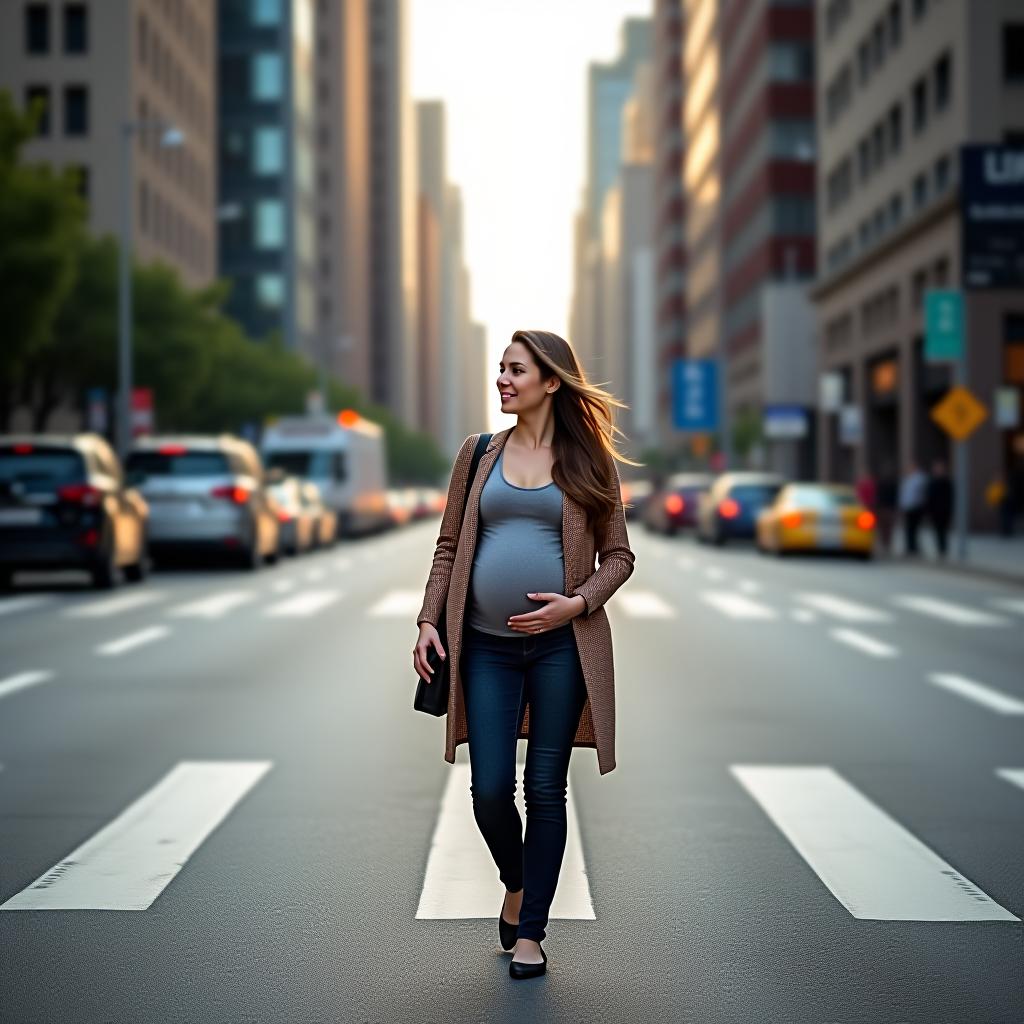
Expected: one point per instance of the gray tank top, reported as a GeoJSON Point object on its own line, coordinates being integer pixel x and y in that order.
{"type": "Point", "coordinates": [518, 550]}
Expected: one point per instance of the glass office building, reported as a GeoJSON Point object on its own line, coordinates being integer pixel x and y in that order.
{"type": "Point", "coordinates": [266, 208]}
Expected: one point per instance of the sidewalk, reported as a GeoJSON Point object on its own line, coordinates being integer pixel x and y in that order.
{"type": "Point", "coordinates": [989, 555]}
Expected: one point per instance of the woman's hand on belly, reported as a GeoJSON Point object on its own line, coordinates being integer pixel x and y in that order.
{"type": "Point", "coordinates": [558, 610]}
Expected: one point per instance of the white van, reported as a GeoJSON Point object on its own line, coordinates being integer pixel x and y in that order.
{"type": "Point", "coordinates": [344, 455]}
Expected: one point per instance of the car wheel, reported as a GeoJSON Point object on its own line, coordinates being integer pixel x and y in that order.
{"type": "Point", "coordinates": [104, 573]}
{"type": "Point", "coordinates": [6, 580]}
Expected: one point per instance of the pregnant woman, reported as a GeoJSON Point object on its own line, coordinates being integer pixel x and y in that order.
{"type": "Point", "coordinates": [528, 635]}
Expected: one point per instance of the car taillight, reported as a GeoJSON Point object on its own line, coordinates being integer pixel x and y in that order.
{"type": "Point", "coordinates": [171, 449]}
{"type": "Point", "coordinates": [729, 508]}
{"type": "Point", "coordinates": [23, 449]}
{"type": "Point", "coordinates": [791, 520]}
{"type": "Point", "coordinates": [81, 494]}
{"type": "Point", "coordinates": [866, 520]}
{"type": "Point", "coordinates": [674, 504]}
{"type": "Point", "coordinates": [283, 515]}
{"type": "Point", "coordinates": [239, 495]}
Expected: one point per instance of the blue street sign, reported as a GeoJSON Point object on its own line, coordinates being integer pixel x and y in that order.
{"type": "Point", "coordinates": [695, 395]}
{"type": "Point", "coordinates": [943, 325]}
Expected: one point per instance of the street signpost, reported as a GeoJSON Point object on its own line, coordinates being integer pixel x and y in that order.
{"type": "Point", "coordinates": [695, 395]}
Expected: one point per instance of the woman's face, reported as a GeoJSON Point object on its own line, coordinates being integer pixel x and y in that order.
{"type": "Point", "coordinates": [520, 384]}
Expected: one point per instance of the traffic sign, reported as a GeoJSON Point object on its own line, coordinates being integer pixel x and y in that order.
{"type": "Point", "coordinates": [695, 395]}
{"type": "Point", "coordinates": [943, 325]}
{"type": "Point", "coordinates": [959, 413]}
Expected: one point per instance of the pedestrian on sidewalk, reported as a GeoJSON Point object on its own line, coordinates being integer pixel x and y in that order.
{"type": "Point", "coordinates": [939, 501]}
{"type": "Point", "coordinates": [530, 664]}
{"type": "Point", "coordinates": [913, 488]}
{"type": "Point", "coordinates": [887, 502]}
{"type": "Point", "coordinates": [867, 491]}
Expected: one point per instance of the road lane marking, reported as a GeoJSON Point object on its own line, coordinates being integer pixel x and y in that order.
{"type": "Point", "coordinates": [644, 604]}
{"type": "Point", "coordinates": [685, 562]}
{"type": "Point", "coordinates": [12, 684]}
{"type": "Point", "coordinates": [994, 700]}
{"type": "Point", "coordinates": [841, 608]}
{"type": "Point", "coordinates": [750, 586]}
{"type": "Point", "coordinates": [133, 640]}
{"type": "Point", "coordinates": [317, 573]}
{"type": "Point", "coordinates": [737, 606]}
{"type": "Point", "coordinates": [876, 868]}
{"type": "Point", "coordinates": [460, 879]}
{"type": "Point", "coordinates": [11, 605]}
{"type": "Point", "coordinates": [865, 643]}
{"type": "Point", "coordinates": [281, 586]}
{"type": "Point", "coordinates": [958, 614]}
{"type": "Point", "coordinates": [343, 563]}
{"type": "Point", "coordinates": [131, 860]}
{"type": "Point", "coordinates": [104, 607]}
{"type": "Point", "coordinates": [803, 615]}
{"type": "Point", "coordinates": [214, 606]}
{"type": "Point", "coordinates": [1009, 604]}
{"type": "Point", "coordinates": [308, 603]}
{"type": "Point", "coordinates": [715, 572]}
{"type": "Point", "coordinates": [1014, 775]}
{"type": "Point", "coordinates": [399, 604]}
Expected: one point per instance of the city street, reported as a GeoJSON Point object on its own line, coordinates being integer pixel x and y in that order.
{"type": "Point", "coordinates": [218, 804]}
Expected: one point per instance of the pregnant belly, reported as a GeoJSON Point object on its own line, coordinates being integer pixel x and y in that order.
{"type": "Point", "coordinates": [498, 592]}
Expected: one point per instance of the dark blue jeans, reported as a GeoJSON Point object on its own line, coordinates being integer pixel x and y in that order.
{"type": "Point", "coordinates": [499, 675]}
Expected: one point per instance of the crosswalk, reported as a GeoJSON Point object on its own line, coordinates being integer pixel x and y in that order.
{"type": "Point", "coordinates": [861, 857]}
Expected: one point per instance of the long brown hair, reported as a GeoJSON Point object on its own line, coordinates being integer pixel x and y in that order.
{"type": "Point", "coordinates": [583, 449]}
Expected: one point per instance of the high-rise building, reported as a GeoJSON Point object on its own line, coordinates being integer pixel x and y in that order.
{"type": "Point", "coordinates": [97, 66]}
{"type": "Point", "coordinates": [902, 85]}
{"type": "Point", "coordinates": [267, 199]}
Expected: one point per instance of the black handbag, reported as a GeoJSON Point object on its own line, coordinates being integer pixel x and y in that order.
{"type": "Point", "coordinates": [432, 697]}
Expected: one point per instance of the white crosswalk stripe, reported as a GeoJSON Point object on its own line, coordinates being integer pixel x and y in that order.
{"type": "Point", "coordinates": [715, 572]}
{"type": "Point", "coordinates": [399, 604]}
{"type": "Point", "coordinates": [21, 681]}
{"type": "Point", "coordinates": [958, 614]}
{"type": "Point", "coordinates": [803, 615]}
{"type": "Point", "coordinates": [1009, 604]}
{"type": "Point", "coordinates": [875, 867]}
{"type": "Point", "coordinates": [988, 697]}
{"type": "Point", "coordinates": [644, 604]}
{"type": "Point", "coordinates": [865, 643]}
{"type": "Point", "coordinates": [299, 605]}
{"type": "Point", "coordinates": [130, 861]}
{"type": "Point", "coordinates": [737, 606]}
{"type": "Point", "coordinates": [215, 606]}
{"type": "Point", "coordinates": [106, 607]}
{"type": "Point", "coordinates": [133, 640]}
{"type": "Point", "coordinates": [842, 608]}
{"type": "Point", "coordinates": [1014, 775]}
{"type": "Point", "coordinates": [460, 880]}
{"type": "Point", "coordinates": [12, 605]}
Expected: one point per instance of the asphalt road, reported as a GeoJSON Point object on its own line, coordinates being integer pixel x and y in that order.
{"type": "Point", "coordinates": [217, 803]}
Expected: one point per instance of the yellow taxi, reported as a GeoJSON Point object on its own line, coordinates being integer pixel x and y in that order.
{"type": "Point", "coordinates": [816, 517]}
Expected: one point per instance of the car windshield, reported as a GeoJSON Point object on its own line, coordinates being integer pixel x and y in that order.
{"type": "Point", "coordinates": [188, 463]}
{"type": "Point", "coordinates": [303, 463]}
{"type": "Point", "coordinates": [40, 469]}
{"type": "Point", "coordinates": [820, 498]}
{"type": "Point", "coordinates": [754, 494]}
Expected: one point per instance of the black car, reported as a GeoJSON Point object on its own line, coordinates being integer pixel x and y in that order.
{"type": "Point", "coordinates": [730, 508]}
{"type": "Point", "coordinates": [64, 505]}
{"type": "Point", "coordinates": [673, 506]}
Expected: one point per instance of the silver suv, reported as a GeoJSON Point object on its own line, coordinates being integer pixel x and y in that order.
{"type": "Point", "coordinates": [205, 493]}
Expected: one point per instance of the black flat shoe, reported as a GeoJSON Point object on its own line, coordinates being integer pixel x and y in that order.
{"type": "Point", "coordinates": [508, 933]}
{"type": "Point", "coordinates": [521, 970]}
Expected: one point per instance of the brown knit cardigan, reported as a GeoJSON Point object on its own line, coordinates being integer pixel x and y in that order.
{"type": "Point", "coordinates": [448, 585]}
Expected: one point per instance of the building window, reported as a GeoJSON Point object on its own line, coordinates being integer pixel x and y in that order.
{"type": "Point", "coordinates": [895, 23]}
{"type": "Point", "coordinates": [269, 224]}
{"type": "Point", "coordinates": [268, 151]}
{"type": "Point", "coordinates": [266, 12]}
{"type": "Point", "coordinates": [270, 291]}
{"type": "Point", "coordinates": [919, 8]}
{"type": "Point", "coordinates": [76, 110]}
{"type": "Point", "coordinates": [942, 82]}
{"type": "Point", "coordinates": [942, 175]}
{"type": "Point", "coordinates": [37, 28]}
{"type": "Point", "coordinates": [919, 104]}
{"type": "Point", "coordinates": [76, 28]}
{"type": "Point", "coordinates": [81, 173]}
{"type": "Point", "coordinates": [920, 188]}
{"type": "Point", "coordinates": [895, 128]}
{"type": "Point", "coordinates": [895, 210]}
{"type": "Point", "coordinates": [1013, 52]}
{"type": "Point", "coordinates": [267, 77]}
{"type": "Point", "coordinates": [42, 94]}
{"type": "Point", "coordinates": [790, 62]}
{"type": "Point", "coordinates": [940, 272]}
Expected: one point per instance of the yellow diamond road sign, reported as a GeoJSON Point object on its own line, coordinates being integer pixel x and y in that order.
{"type": "Point", "coordinates": [959, 413]}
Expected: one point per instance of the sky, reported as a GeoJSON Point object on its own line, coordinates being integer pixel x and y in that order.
{"type": "Point", "coordinates": [513, 78]}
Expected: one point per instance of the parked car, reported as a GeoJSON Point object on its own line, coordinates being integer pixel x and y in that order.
{"type": "Point", "coordinates": [812, 516]}
{"type": "Point", "coordinates": [635, 496]}
{"type": "Point", "coordinates": [205, 493]}
{"type": "Point", "coordinates": [728, 509]}
{"type": "Point", "coordinates": [325, 520]}
{"type": "Point", "coordinates": [296, 522]}
{"type": "Point", "coordinates": [673, 506]}
{"type": "Point", "coordinates": [64, 505]}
